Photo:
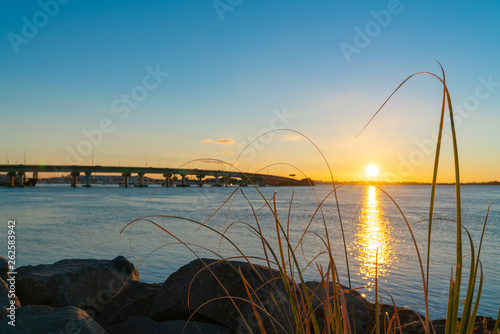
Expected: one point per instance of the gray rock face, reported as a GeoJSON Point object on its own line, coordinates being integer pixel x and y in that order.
{"type": "Point", "coordinates": [207, 294]}
{"type": "Point", "coordinates": [318, 295]}
{"type": "Point", "coordinates": [5, 302]}
{"type": "Point", "coordinates": [87, 284]}
{"type": "Point", "coordinates": [134, 300]}
{"type": "Point", "coordinates": [38, 319]}
{"type": "Point", "coordinates": [143, 325]}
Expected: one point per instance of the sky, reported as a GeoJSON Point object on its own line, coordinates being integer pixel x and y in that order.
{"type": "Point", "coordinates": [162, 83]}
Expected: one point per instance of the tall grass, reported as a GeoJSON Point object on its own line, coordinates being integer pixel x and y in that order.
{"type": "Point", "coordinates": [303, 302]}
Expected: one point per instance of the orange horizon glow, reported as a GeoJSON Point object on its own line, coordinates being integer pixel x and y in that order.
{"type": "Point", "coordinates": [343, 171]}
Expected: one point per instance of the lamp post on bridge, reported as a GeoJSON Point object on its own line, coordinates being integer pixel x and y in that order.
{"type": "Point", "coordinates": [146, 159]}
{"type": "Point", "coordinates": [7, 157]}
{"type": "Point", "coordinates": [119, 160]}
{"type": "Point", "coordinates": [24, 155]}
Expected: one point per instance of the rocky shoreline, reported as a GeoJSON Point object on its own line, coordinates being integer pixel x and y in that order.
{"type": "Point", "coordinates": [107, 296]}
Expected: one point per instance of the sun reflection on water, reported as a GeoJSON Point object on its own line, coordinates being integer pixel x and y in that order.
{"type": "Point", "coordinates": [374, 233]}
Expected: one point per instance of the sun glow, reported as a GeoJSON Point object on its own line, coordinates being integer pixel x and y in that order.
{"type": "Point", "coordinates": [371, 170]}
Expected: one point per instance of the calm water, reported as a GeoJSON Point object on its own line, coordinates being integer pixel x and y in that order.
{"type": "Point", "coordinates": [58, 222]}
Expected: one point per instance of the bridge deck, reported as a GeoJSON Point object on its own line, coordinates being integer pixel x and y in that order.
{"type": "Point", "coordinates": [273, 179]}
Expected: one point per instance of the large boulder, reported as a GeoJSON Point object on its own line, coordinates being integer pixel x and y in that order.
{"type": "Point", "coordinates": [87, 284]}
{"type": "Point", "coordinates": [134, 300]}
{"type": "Point", "coordinates": [203, 286]}
{"type": "Point", "coordinates": [39, 319]}
{"type": "Point", "coordinates": [7, 304]}
{"type": "Point", "coordinates": [319, 294]}
{"type": "Point", "coordinates": [144, 325]}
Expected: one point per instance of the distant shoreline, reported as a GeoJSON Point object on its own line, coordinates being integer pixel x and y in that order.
{"type": "Point", "coordinates": [411, 183]}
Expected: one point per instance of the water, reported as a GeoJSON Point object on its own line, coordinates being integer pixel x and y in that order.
{"type": "Point", "coordinates": [56, 222]}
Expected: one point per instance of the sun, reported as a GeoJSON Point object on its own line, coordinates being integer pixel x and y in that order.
{"type": "Point", "coordinates": [371, 170]}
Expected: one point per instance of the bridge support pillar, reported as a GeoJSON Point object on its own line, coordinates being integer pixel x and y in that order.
{"type": "Point", "coordinates": [87, 180]}
{"type": "Point", "coordinates": [20, 179]}
{"type": "Point", "coordinates": [11, 179]}
{"type": "Point", "coordinates": [35, 179]}
{"type": "Point", "coordinates": [225, 180]}
{"type": "Point", "coordinates": [141, 180]}
{"type": "Point", "coordinates": [74, 177]}
{"type": "Point", "coordinates": [183, 181]}
{"type": "Point", "coordinates": [31, 182]}
{"type": "Point", "coordinates": [200, 180]}
{"type": "Point", "coordinates": [125, 179]}
{"type": "Point", "coordinates": [168, 178]}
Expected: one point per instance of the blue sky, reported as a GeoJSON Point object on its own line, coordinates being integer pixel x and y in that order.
{"type": "Point", "coordinates": [234, 67]}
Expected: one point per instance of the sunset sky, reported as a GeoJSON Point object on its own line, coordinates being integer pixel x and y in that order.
{"type": "Point", "coordinates": [173, 81]}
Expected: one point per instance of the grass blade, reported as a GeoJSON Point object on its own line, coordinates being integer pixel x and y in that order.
{"type": "Point", "coordinates": [495, 330]}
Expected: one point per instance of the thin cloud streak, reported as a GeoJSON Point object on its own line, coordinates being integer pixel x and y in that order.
{"type": "Point", "coordinates": [225, 141]}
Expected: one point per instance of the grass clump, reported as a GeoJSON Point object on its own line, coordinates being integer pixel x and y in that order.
{"type": "Point", "coordinates": [328, 307]}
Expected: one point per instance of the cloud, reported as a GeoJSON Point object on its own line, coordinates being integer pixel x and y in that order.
{"type": "Point", "coordinates": [206, 140]}
{"type": "Point", "coordinates": [227, 152]}
{"type": "Point", "coordinates": [293, 138]}
{"type": "Point", "coordinates": [225, 141]}
{"type": "Point", "coordinates": [211, 161]}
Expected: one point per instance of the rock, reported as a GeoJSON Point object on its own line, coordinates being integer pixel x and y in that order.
{"type": "Point", "coordinates": [417, 327]}
{"type": "Point", "coordinates": [134, 300]}
{"type": "Point", "coordinates": [143, 325]}
{"type": "Point", "coordinates": [317, 295]}
{"type": "Point", "coordinates": [405, 316]}
{"type": "Point", "coordinates": [5, 301]}
{"type": "Point", "coordinates": [206, 292]}
{"type": "Point", "coordinates": [4, 268]}
{"type": "Point", "coordinates": [87, 284]}
{"type": "Point", "coordinates": [481, 325]}
{"type": "Point", "coordinates": [40, 319]}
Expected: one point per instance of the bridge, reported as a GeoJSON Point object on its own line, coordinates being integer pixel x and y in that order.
{"type": "Point", "coordinates": [16, 175]}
